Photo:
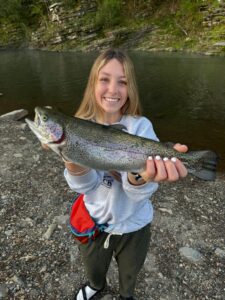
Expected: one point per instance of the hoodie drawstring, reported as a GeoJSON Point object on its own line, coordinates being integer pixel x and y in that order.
{"type": "Point", "coordinates": [106, 243]}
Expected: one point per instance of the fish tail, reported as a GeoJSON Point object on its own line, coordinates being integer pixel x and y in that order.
{"type": "Point", "coordinates": [207, 164]}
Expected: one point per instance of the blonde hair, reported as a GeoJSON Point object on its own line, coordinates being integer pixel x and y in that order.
{"type": "Point", "coordinates": [89, 108]}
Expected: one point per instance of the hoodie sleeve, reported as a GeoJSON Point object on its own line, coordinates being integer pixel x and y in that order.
{"type": "Point", "coordinates": [138, 192]}
{"type": "Point", "coordinates": [142, 127]}
{"type": "Point", "coordinates": [86, 183]}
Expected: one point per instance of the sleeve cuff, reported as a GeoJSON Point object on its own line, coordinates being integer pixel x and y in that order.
{"type": "Point", "coordinates": [84, 183]}
{"type": "Point", "coordinates": [143, 190]}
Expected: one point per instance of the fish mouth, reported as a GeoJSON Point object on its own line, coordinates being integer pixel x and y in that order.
{"type": "Point", "coordinates": [46, 131]}
{"type": "Point", "coordinates": [34, 128]}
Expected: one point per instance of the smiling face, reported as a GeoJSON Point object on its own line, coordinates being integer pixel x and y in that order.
{"type": "Point", "coordinates": [111, 91]}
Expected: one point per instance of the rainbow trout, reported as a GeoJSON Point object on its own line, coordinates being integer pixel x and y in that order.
{"type": "Point", "coordinates": [105, 148]}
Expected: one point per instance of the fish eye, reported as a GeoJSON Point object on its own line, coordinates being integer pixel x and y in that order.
{"type": "Point", "coordinates": [44, 118]}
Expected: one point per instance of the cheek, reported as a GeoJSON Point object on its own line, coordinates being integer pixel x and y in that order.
{"type": "Point", "coordinates": [97, 96]}
{"type": "Point", "coordinates": [125, 93]}
{"type": "Point", "coordinates": [98, 92]}
{"type": "Point", "coordinates": [55, 131]}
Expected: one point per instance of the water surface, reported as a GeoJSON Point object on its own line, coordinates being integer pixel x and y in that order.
{"type": "Point", "coordinates": [183, 95]}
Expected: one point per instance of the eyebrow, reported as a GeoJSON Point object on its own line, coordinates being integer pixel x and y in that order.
{"type": "Point", "coordinates": [107, 74]}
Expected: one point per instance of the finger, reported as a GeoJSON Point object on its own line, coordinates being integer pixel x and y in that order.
{"type": "Point", "coordinates": [173, 174]}
{"type": "Point", "coordinates": [181, 169]}
{"type": "Point", "coordinates": [180, 148]}
{"type": "Point", "coordinates": [161, 173]}
{"type": "Point", "coordinates": [150, 172]}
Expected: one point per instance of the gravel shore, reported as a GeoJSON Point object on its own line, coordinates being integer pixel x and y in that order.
{"type": "Point", "coordinates": [40, 260]}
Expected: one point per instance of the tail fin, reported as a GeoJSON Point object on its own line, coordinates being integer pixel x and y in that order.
{"type": "Point", "coordinates": [207, 165]}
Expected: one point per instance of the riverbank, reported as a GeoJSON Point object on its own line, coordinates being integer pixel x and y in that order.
{"type": "Point", "coordinates": [191, 27]}
{"type": "Point", "coordinates": [39, 259]}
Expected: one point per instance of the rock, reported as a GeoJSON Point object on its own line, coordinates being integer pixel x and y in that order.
{"type": "Point", "coordinates": [150, 263]}
{"type": "Point", "coordinates": [3, 291]}
{"type": "Point", "coordinates": [52, 6]}
{"type": "Point", "coordinates": [56, 40]}
{"type": "Point", "coordinates": [29, 221]}
{"type": "Point", "coordinates": [8, 232]}
{"type": "Point", "coordinates": [1, 94]}
{"type": "Point", "coordinates": [23, 126]}
{"type": "Point", "coordinates": [220, 253]}
{"type": "Point", "coordinates": [28, 257]}
{"type": "Point", "coordinates": [73, 254]}
{"type": "Point", "coordinates": [14, 115]}
{"type": "Point", "coordinates": [108, 297]}
{"type": "Point", "coordinates": [222, 44]}
{"type": "Point", "coordinates": [61, 220]}
{"type": "Point", "coordinates": [18, 280]}
{"type": "Point", "coordinates": [18, 155]}
{"type": "Point", "coordinates": [191, 254]}
{"type": "Point", "coordinates": [50, 231]}
{"type": "Point", "coordinates": [43, 269]}
{"type": "Point", "coordinates": [166, 210]}
{"type": "Point", "coordinates": [2, 212]}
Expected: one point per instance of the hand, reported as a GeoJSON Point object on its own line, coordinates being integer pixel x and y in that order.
{"type": "Point", "coordinates": [162, 169]}
{"type": "Point", "coordinates": [45, 146]}
{"type": "Point", "coordinates": [75, 170]}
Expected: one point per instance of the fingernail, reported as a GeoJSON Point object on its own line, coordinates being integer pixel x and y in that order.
{"type": "Point", "coordinates": [157, 157]}
{"type": "Point", "coordinates": [150, 158]}
{"type": "Point", "coordinates": [165, 158]}
{"type": "Point", "coordinates": [173, 159]}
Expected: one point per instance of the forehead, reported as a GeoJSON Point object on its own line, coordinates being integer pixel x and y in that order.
{"type": "Point", "coordinates": [113, 67]}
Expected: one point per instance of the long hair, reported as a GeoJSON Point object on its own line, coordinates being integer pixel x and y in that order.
{"type": "Point", "coordinates": [89, 108]}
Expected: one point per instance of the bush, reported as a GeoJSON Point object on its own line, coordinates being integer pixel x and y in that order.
{"type": "Point", "coordinates": [27, 12]}
{"type": "Point", "coordinates": [109, 13]}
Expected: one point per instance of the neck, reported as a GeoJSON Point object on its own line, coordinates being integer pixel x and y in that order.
{"type": "Point", "coordinates": [109, 119]}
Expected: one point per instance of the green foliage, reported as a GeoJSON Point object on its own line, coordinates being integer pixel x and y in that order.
{"type": "Point", "coordinates": [9, 10]}
{"type": "Point", "coordinates": [217, 33]}
{"type": "Point", "coordinates": [189, 16]}
{"type": "Point", "coordinates": [109, 13]}
{"type": "Point", "coordinates": [187, 7]}
{"type": "Point", "coordinates": [17, 18]}
{"type": "Point", "coordinates": [27, 12]}
{"type": "Point", "coordinates": [69, 3]}
{"type": "Point", "coordinates": [181, 18]}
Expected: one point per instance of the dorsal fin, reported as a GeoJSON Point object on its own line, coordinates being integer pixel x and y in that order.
{"type": "Point", "coordinates": [119, 127]}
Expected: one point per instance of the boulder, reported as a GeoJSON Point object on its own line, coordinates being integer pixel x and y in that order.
{"type": "Point", "coordinates": [14, 115]}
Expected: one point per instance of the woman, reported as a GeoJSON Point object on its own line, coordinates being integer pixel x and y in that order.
{"type": "Point", "coordinates": [120, 200]}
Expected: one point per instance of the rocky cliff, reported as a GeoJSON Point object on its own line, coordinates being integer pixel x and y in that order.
{"type": "Point", "coordinates": [171, 26]}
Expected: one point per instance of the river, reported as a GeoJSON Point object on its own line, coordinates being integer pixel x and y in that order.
{"type": "Point", "coordinates": [182, 94]}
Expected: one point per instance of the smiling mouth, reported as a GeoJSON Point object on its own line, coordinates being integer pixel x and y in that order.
{"type": "Point", "coordinates": [109, 99]}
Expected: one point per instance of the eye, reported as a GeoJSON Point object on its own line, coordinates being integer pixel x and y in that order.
{"type": "Point", "coordinates": [104, 79]}
{"type": "Point", "coordinates": [44, 118]}
{"type": "Point", "coordinates": [122, 82]}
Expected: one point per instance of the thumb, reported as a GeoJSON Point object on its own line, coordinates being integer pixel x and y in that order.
{"type": "Point", "coordinates": [180, 148]}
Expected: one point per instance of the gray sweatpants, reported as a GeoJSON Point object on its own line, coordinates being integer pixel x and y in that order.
{"type": "Point", "coordinates": [130, 251]}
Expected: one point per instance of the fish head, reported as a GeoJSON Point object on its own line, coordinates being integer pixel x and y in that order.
{"type": "Point", "coordinates": [47, 125]}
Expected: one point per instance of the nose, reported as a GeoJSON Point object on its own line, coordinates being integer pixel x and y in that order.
{"type": "Point", "coordinates": [113, 87]}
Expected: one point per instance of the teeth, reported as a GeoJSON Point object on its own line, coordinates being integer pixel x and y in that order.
{"type": "Point", "coordinates": [111, 99]}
